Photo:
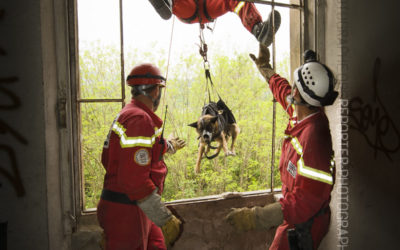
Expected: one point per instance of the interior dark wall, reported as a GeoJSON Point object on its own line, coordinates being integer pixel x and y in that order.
{"type": "Point", "coordinates": [23, 181]}
{"type": "Point", "coordinates": [373, 93]}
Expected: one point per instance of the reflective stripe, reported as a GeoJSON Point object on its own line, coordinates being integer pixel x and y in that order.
{"type": "Point", "coordinates": [139, 141]}
{"type": "Point", "coordinates": [313, 173]}
{"type": "Point", "coordinates": [297, 146]}
{"type": "Point", "coordinates": [239, 7]}
{"type": "Point", "coordinates": [309, 172]}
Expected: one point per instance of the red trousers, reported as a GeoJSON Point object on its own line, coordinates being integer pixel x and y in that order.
{"type": "Point", "coordinates": [126, 227]}
{"type": "Point", "coordinates": [210, 9]}
{"type": "Point", "coordinates": [318, 230]}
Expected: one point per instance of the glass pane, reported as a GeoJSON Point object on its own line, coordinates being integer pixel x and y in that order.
{"type": "Point", "coordinates": [99, 49]}
{"type": "Point", "coordinates": [282, 45]}
{"type": "Point", "coordinates": [96, 120]}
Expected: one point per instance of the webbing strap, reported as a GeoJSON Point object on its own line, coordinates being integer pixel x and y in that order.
{"type": "Point", "coordinates": [116, 197]}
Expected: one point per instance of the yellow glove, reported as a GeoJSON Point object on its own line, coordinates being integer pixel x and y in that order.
{"type": "Point", "coordinates": [174, 144]}
{"type": "Point", "coordinates": [243, 219]}
{"type": "Point", "coordinates": [263, 63]}
{"type": "Point", "coordinates": [171, 230]}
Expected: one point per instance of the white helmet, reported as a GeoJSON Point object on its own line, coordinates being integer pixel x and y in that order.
{"type": "Point", "coordinates": [315, 82]}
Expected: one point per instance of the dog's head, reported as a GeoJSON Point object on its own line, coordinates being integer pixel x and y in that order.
{"type": "Point", "coordinates": [206, 127]}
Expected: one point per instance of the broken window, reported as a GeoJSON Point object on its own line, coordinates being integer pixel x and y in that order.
{"type": "Point", "coordinates": [113, 36]}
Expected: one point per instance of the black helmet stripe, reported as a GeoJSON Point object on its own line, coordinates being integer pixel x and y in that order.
{"type": "Point", "coordinates": [147, 75]}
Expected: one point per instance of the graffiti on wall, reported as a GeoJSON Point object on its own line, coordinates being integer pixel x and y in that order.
{"type": "Point", "coordinates": [374, 122]}
{"type": "Point", "coordinates": [9, 102]}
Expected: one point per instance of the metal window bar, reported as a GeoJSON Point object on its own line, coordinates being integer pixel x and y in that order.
{"type": "Point", "coordinates": [122, 61]}
{"type": "Point", "coordinates": [291, 6]}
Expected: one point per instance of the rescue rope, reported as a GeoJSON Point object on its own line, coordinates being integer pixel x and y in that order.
{"type": "Point", "coordinates": [203, 49]}
{"type": "Point", "coordinates": [168, 59]}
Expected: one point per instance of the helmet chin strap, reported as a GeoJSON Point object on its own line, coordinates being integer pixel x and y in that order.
{"type": "Point", "coordinates": [292, 101]}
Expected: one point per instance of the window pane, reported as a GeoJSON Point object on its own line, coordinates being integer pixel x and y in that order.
{"type": "Point", "coordinates": [99, 49]}
{"type": "Point", "coordinates": [282, 44]}
{"type": "Point", "coordinates": [96, 120]}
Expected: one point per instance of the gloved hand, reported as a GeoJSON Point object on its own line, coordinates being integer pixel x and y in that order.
{"type": "Point", "coordinates": [174, 144]}
{"type": "Point", "coordinates": [263, 63]}
{"type": "Point", "coordinates": [171, 230]}
{"type": "Point", "coordinates": [245, 219]}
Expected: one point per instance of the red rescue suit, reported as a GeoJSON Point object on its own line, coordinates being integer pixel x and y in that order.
{"type": "Point", "coordinates": [204, 11]}
{"type": "Point", "coordinates": [307, 170]}
{"type": "Point", "coordinates": [132, 157]}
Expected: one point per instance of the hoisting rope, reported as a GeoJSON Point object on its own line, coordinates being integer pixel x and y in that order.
{"type": "Point", "coordinates": [203, 49]}
{"type": "Point", "coordinates": [164, 112]}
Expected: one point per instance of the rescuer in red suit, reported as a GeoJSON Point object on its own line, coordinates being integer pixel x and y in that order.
{"type": "Point", "coordinates": [205, 11]}
{"type": "Point", "coordinates": [130, 209]}
{"type": "Point", "coordinates": [306, 165]}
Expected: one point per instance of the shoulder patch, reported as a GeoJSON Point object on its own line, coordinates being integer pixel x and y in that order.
{"type": "Point", "coordinates": [142, 157]}
{"type": "Point", "coordinates": [292, 169]}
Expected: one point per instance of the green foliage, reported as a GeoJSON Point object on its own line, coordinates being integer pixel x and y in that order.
{"type": "Point", "coordinates": [238, 83]}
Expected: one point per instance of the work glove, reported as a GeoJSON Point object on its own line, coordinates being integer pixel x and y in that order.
{"type": "Point", "coordinates": [171, 230]}
{"type": "Point", "coordinates": [245, 219]}
{"type": "Point", "coordinates": [158, 213]}
{"type": "Point", "coordinates": [263, 62]}
{"type": "Point", "coordinates": [174, 144]}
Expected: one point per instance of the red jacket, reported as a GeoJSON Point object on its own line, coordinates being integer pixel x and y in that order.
{"type": "Point", "coordinates": [132, 154]}
{"type": "Point", "coordinates": [205, 11]}
{"type": "Point", "coordinates": [306, 167]}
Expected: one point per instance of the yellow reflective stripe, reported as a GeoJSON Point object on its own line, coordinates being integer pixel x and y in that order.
{"type": "Point", "coordinates": [314, 174]}
{"type": "Point", "coordinates": [297, 146]}
{"type": "Point", "coordinates": [139, 141]}
{"type": "Point", "coordinates": [239, 7]}
{"type": "Point", "coordinates": [292, 123]}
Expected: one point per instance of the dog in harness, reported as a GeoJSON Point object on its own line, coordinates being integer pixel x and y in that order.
{"type": "Point", "coordinates": [218, 124]}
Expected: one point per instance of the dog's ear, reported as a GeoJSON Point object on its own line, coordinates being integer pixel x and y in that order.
{"type": "Point", "coordinates": [194, 124]}
{"type": "Point", "coordinates": [214, 119]}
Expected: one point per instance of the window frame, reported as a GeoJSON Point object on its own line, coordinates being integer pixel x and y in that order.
{"type": "Point", "coordinates": [87, 216]}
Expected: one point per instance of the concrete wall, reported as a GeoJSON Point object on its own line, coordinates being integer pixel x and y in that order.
{"type": "Point", "coordinates": [22, 128]}
{"type": "Point", "coordinates": [372, 88]}
{"type": "Point", "coordinates": [361, 46]}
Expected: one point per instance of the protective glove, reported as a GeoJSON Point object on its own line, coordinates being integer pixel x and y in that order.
{"type": "Point", "coordinates": [263, 63]}
{"type": "Point", "coordinates": [158, 213]}
{"type": "Point", "coordinates": [245, 219]}
{"type": "Point", "coordinates": [171, 230]}
{"type": "Point", "coordinates": [174, 144]}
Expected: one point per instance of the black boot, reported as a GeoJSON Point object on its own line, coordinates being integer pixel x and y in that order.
{"type": "Point", "coordinates": [163, 8]}
{"type": "Point", "coordinates": [263, 31]}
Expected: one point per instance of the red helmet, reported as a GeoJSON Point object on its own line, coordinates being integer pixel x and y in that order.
{"type": "Point", "coordinates": [144, 74]}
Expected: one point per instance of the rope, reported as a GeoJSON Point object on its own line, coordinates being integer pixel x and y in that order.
{"type": "Point", "coordinates": [206, 64]}
{"type": "Point", "coordinates": [168, 60]}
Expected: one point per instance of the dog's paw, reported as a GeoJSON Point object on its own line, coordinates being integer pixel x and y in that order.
{"type": "Point", "coordinates": [230, 153]}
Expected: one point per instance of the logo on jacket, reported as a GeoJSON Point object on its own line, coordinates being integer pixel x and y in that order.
{"type": "Point", "coordinates": [292, 169]}
{"type": "Point", "coordinates": [142, 157]}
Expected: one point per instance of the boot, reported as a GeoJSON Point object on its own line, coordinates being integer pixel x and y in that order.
{"type": "Point", "coordinates": [263, 31]}
{"type": "Point", "coordinates": [163, 8]}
